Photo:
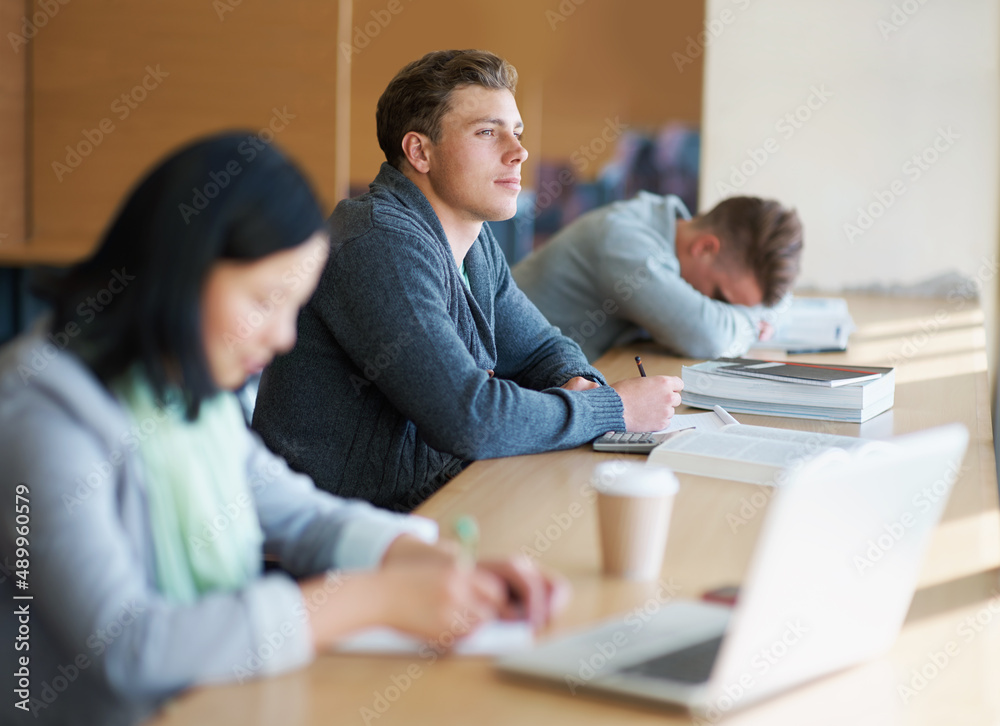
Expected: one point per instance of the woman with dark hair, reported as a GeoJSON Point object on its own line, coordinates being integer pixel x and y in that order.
{"type": "Point", "coordinates": [137, 505]}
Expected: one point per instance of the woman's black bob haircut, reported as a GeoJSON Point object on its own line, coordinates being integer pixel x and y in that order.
{"type": "Point", "coordinates": [230, 196]}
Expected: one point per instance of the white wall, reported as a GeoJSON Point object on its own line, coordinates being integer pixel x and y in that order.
{"type": "Point", "coordinates": [887, 79]}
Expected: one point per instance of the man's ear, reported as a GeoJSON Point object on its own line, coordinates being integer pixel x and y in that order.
{"type": "Point", "coordinates": [416, 148]}
{"type": "Point", "coordinates": [706, 244]}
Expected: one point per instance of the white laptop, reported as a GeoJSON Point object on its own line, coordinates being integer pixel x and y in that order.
{"type": "Point", "coordinates": [829, 586]}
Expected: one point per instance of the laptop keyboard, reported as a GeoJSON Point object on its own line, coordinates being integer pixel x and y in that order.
{"type": "Point", "coordinates": [688, 665]}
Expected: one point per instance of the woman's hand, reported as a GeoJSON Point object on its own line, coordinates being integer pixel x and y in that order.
{"type": "Point", "coordinates": [529, 593]}
{"type": "Point", "coordinates": [433, 599]}
{"type": "Point", "coordinates": [426, 599]}
{"type": "Point", "coordinates": [429, 591]}
{"type": "Point", "coordinates": [533, 594]}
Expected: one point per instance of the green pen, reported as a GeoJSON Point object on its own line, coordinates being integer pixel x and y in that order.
{"type": "Point", "coordinates": [466, 531]}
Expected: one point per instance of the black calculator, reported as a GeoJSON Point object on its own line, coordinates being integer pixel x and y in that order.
{"type": "Point", "coordinates": [632, 442]}
{"type": "Point", "coordinates": [628, 442]}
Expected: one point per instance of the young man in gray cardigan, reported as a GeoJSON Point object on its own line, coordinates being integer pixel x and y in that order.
{"type": "Point", "coordinates": [418, 353]}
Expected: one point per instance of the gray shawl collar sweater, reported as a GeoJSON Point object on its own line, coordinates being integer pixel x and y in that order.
{"type": "Point", "coordinates": [386, 394]}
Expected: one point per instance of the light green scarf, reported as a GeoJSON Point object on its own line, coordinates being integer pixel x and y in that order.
{"type": "Point", "coordinates": [206, 534]}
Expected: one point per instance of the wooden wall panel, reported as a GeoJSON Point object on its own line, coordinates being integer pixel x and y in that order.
{"type": "Point", "coordinates": [13, 143]}
{"type": "Point", "coordinates": [579, 62]}
{"type": "Point", "coordinates": [208, 66]}
{"type": "Point", "coordinates": [228, 65]}
{"type": "Point", "coordinates": [620, 60]}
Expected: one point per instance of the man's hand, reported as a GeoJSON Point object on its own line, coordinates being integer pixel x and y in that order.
{"type": "Point", "coordinates": [578, 383]}
{"type": "Point", "coordinates": [765, 331]}
{"type": "Point", "coordinates": [649, 402]}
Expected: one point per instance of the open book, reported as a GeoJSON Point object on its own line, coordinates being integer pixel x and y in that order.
{"type": "Point", "coordinates": [755, 454]}
{"type": "Point", "coordinates": [810, 325]}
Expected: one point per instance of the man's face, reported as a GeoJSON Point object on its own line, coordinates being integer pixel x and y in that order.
{"type": "Point", "coordinates": [711, 278]}
{"type": "Point", "coordinates": [475, 167]}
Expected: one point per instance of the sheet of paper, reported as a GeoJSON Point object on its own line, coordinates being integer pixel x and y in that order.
{"type": "Point", "coordinates": [494, 638]}
{"type": "Point", "coordinates": [711, 421]}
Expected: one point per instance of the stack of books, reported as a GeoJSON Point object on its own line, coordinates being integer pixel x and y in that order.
{"type": "Point", "coordinates": [800, 390]}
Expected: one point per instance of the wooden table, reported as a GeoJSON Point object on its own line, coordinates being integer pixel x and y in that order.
{"type": "Point", "coordinates": [948, 655]}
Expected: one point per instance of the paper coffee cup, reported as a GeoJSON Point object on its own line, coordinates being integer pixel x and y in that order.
{"type": "Point", "coordinates": [634, 502]}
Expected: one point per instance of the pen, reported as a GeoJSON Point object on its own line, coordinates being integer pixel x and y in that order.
{"type": "Point", "coordinates": [638, 362]}
{"type": "Point", "coordinates": [671, 434]}
{"type": "Point", "coordinates": [466, 530]}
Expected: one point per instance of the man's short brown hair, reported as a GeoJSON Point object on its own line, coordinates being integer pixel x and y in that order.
{"type": "Point", "coordinates": [419, 96]}
{"type": "Point", "coordinates": [761, 235]}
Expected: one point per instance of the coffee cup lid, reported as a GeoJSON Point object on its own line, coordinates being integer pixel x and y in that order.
{"type": "Point", "coordinates": [631, 479]}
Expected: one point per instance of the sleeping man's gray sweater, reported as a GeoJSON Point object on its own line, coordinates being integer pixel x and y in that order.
{"type": "Point", "coordinates": [387, 394]}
